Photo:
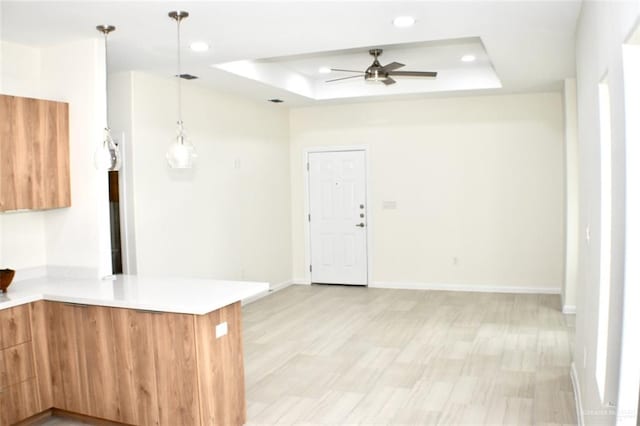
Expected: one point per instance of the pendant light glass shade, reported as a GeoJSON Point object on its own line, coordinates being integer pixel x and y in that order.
{"type": "Point", "coordinates": [181, 154]}
{"type": "Point", "coordinates": [107, 154]}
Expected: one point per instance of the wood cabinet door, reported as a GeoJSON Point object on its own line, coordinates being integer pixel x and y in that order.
{"type": "Point", "coordinates": [67, 348]}
{"type": "Point", "coordinates": [14, 326]}
{"type": "Point", "coordinates": [176, 368]}
{"type": "Point", "coordinates": [34, 154]}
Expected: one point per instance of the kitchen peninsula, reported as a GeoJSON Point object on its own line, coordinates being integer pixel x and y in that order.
{"type": "Point", "coordinates": [130, 350]}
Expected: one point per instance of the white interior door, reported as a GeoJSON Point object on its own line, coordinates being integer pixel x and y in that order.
{"type": "Point", "coordinates": [337, 207]}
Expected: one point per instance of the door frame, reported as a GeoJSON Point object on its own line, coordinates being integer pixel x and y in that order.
{"type": "Point", "coordinates": [307, 203]}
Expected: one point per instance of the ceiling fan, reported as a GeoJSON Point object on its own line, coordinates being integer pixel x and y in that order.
{"type": "Point", "coordinates": [377, 72]}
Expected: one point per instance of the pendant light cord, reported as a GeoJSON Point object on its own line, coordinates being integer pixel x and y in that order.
{"type": "Point", "coordinates": [179, 19]}
{"type": "Point", "coordinates": [106, 77]}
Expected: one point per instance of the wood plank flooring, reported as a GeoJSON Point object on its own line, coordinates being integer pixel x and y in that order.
{"type": "Point", "coordinates": [319, 355]}
{"type": "Point", "coordinates": [352, 355]}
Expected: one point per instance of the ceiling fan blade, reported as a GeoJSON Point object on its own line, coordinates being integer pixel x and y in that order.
{"type": "Point", "coordinates": [339, 70]}
{"type": "Point", "coordinates": [387, 81]}
{"type": "Point", "coordinates": [414, 73]}
{"type": "Point", "coordinates": [392, 66]}
{"type": "Point", "coordinates": [344, 78]}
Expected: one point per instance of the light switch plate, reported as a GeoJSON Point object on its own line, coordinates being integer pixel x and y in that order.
{"type": "Point", "coordinates": [221, 329]}
{"type": "Point", "coordinates": [389, 205]}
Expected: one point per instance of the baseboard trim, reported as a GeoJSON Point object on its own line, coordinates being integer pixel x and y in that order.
{"type": "Point", "coordinates": [576, 394]}
{"type": "Point", "coordinates": [463, 287]}
{"type": "Point", "coordinates": [569, 309]}
{"type": "Point", "coordinates": [272, 289]}
{"type": "Point", "coordinates": [301, 281]}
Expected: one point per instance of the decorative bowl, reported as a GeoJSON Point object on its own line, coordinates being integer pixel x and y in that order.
{"type": "Point", "coordinates": [6, 275]}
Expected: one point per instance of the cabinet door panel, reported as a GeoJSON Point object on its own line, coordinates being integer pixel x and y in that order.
{"type": "Point", "coordinates": [34, 154]}
{"type": "Point", "coordinates": [18, 402]}
{"type": "Point", "coordinates": [69, 368]}
{"type": "Point", "coordinates": [176, 369]}
{"type": "Point", "coordinates": [41, 355]}
{"type": "Point", "coordinates": [16, 364]}
{"type": "Point", "coordinates": [100, 358]}
{"type": "Point", "coordinates": [136, 367]}
{"type": "Point", "coordinates": [14, 326]}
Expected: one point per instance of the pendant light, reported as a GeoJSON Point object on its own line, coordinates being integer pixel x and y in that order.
{"type": "Point", "coordinates": [107, 155]}
{"type": "Point", "coordinates": [181, 153]}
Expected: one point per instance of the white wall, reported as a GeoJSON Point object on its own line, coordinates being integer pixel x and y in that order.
{"type": "Point", "coordinates": [479, 179]}
{"type": "Point", "coordinates": [22, 235]}
{"type": "Point", "coordinates": [72, 240]}
{"type": "Point", "coordinates": [229, 217]}
{"type": "Point", "coordinates": [572, 208]}
{"type": "Point", "coordinates": [602, 29]}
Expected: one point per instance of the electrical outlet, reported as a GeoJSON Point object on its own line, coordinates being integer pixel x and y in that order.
{"type": "Point", "coordinates": [455, 261]}
{"type": "Point", "coordinates": [221, 329]}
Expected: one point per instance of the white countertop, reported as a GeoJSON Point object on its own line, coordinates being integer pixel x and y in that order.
{"type": "Point", "coordinates": [178, 295]}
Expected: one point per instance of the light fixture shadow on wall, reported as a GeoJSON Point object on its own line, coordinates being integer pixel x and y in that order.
{"type": "Point", "coordinates": [181, 153]}
{"type": "Point", "coordinates": [107, 155]}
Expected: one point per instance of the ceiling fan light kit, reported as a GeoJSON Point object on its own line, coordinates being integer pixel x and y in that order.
{"type": "Point", "coordinates": [181, 153]}
{"type": "Point", "coordinates": [377, 72]}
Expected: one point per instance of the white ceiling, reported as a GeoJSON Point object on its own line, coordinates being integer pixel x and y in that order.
{"type": "Point", "coordinates": [529, 44]}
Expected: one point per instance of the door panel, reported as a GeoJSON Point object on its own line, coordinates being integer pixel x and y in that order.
{"type": "Point", "coordinates": [337, 198]}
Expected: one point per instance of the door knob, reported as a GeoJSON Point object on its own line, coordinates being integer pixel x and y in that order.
{"type": "Point", "coordinates": [360, 225]}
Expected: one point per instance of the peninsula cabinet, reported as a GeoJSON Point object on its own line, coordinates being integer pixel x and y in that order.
{"type": "Point", "coordinates": [34, 154]}
{"type": "Point", "coordinates": [121, 365]}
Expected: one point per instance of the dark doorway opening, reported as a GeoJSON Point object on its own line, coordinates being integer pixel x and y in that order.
{"type": "Point", "coordinates": [114, 218]}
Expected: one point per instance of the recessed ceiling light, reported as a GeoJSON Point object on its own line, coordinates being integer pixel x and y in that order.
{"type": "Point", "coordinates": [324, 70]}
{"type": "Point", "coordinates": [199, 46]}
{"type": "Point", "coordinates": [468, 58]}
{"type": "Point", "coordinates": [404, 21]}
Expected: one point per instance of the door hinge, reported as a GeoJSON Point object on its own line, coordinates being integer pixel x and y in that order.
{"type": "Point", "coordinates": [310, 268]}
{"type": "Point", "coordinates": [307, 166]}
{"type": "Point", "coordinates": [309, 218]}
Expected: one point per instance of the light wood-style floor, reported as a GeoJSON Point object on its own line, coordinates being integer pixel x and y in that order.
{"type": "Point", "coordinates": [353, 355]}
{"type": "Point", "coordinates": [320, 355]}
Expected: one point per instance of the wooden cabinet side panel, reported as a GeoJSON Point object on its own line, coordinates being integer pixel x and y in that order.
{"type": "Point", "coordinates": [176, 369]}
{"type": "Point", "coordinates": [41, 357]}
{"type": "Point", "coordinates": [221, 367]}
{"type": "Point", "coordinates": [8, 184]}
{"type": "Point", "coordinates": [59, 191]}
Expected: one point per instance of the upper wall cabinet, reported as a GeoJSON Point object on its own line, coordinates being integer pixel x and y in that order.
{"type": "Point", "coordinates": [34, 154]}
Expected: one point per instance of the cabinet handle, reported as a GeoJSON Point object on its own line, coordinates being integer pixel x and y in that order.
{"type": "Point", "coordinates": [75, 305]}
{"type": "Point", "coordinates": [145, 311]}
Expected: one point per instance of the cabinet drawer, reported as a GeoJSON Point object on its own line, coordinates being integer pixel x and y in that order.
{"type": "Point", "coordinates": [14, 326]}
{"type": "Point", "coordinates": [18, 402]}
{"type": "Point", "coordinates": [16, 365]}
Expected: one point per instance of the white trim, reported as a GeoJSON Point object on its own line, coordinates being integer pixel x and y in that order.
{"type": "Point", "coordinates": [301, 281]}
{"type": "Point", "coordinates": [368, 212]}
{"type": "Point", "coordinates": [465, 287]}
{"type": "Point", "coordinates": [272, 289]}
{"type": "Point", "coordinates": [576, 394]}
{"type": "Point", "coordinates": [569, 309]}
